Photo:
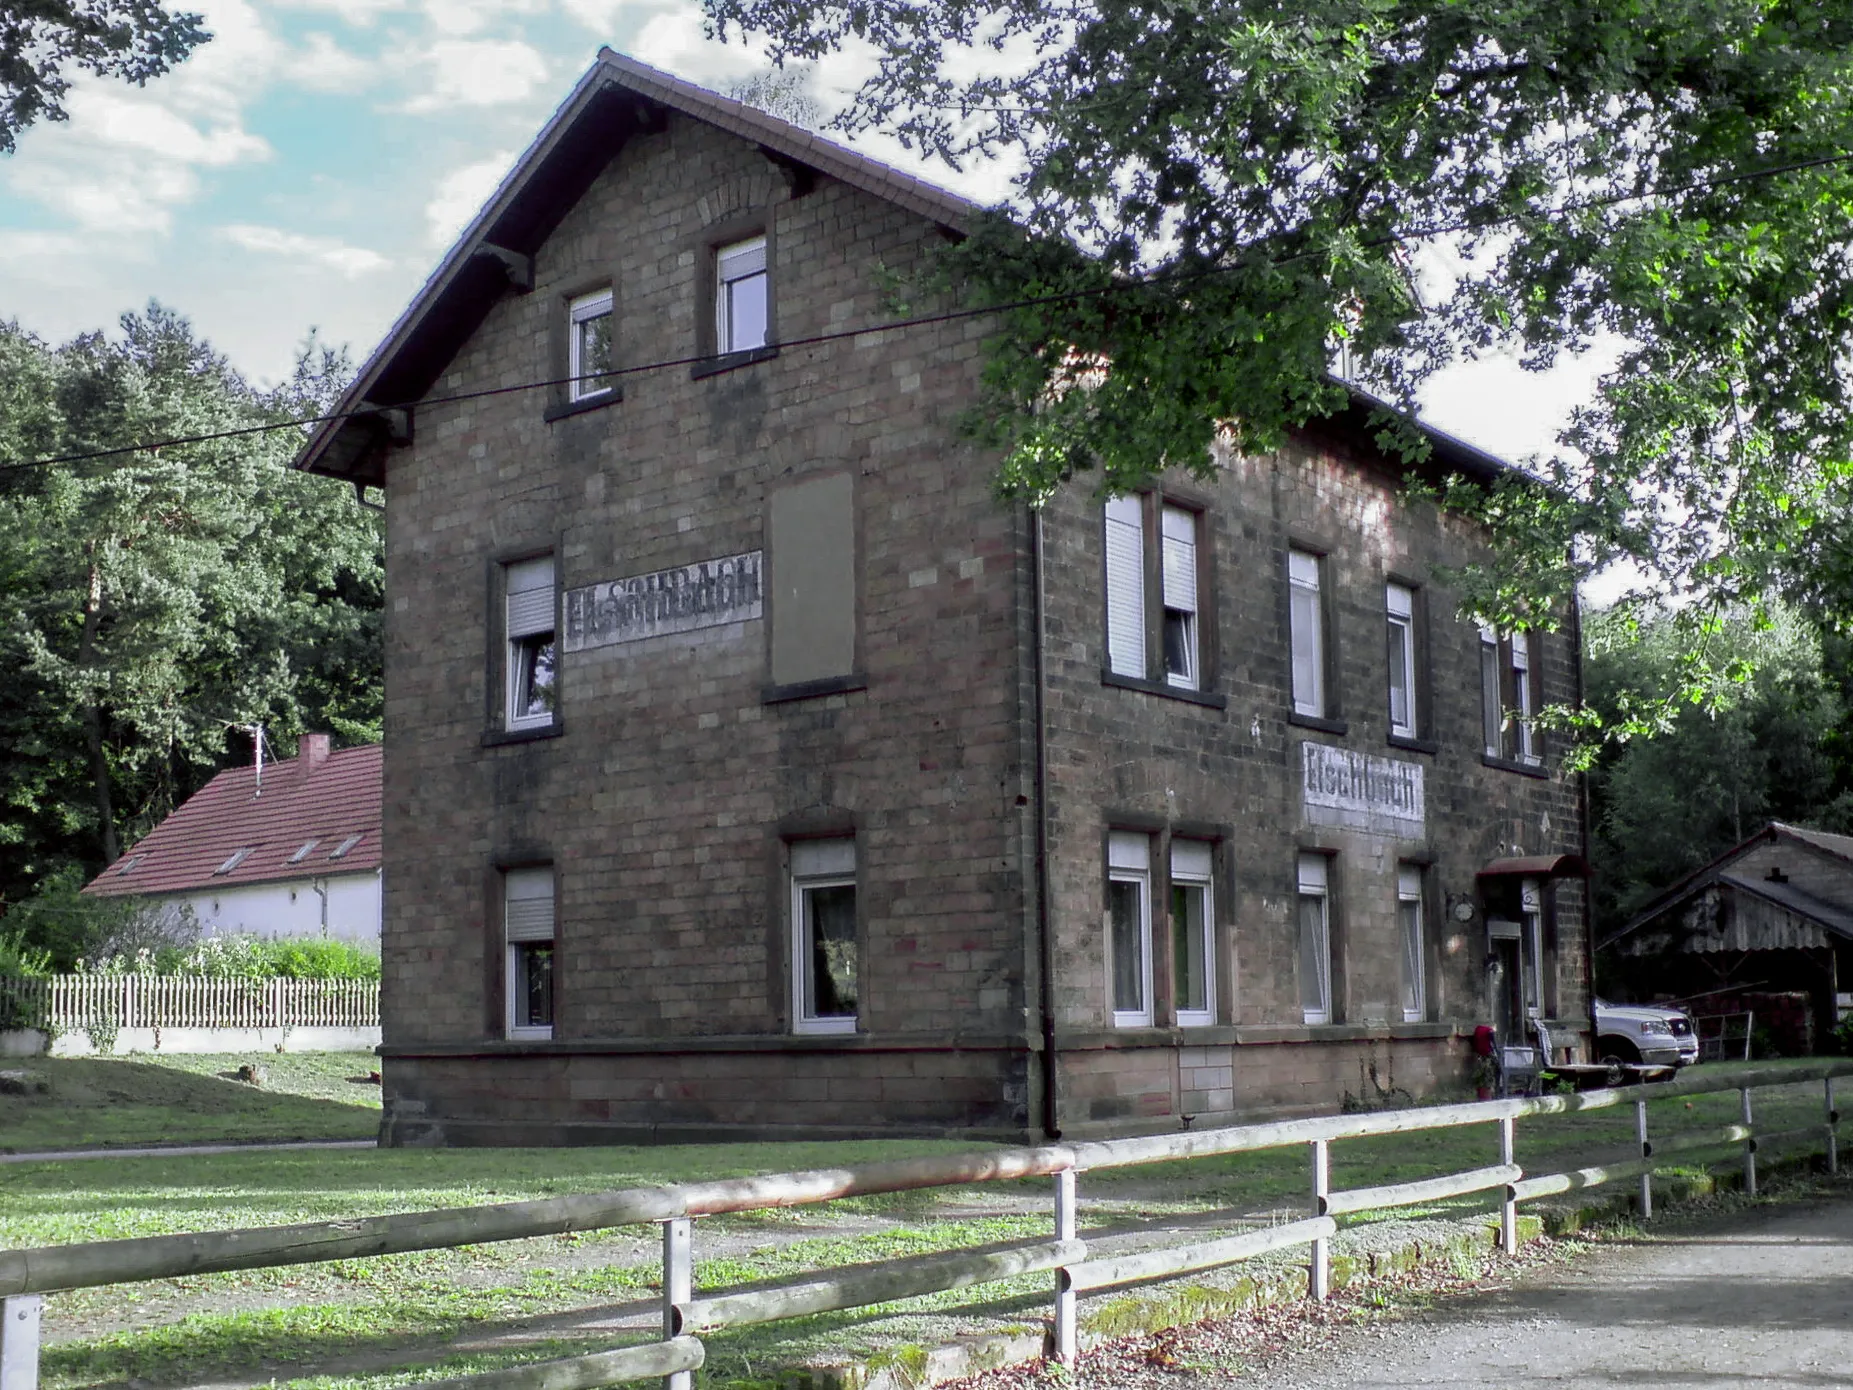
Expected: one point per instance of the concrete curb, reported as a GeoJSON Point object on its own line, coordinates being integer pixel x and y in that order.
{"type": "Point", "coordinates": [1178, 1303]}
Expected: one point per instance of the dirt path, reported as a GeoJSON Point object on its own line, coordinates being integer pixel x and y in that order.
{"type": "Point", "coordinates": [1760, 1297]}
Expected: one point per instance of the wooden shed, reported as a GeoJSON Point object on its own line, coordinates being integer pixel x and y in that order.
{"type": "Point", "coordinates": [1772, 916]}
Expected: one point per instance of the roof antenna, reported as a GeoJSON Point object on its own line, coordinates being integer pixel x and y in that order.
{"type": "Point", "coordinates": [257, 747]}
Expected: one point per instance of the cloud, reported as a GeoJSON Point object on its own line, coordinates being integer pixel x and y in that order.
{"type": "Point", "coordinates": [478, 72]}
{"type": "Point", "coordinates": [473, 16]}
{"type": "Point", "coordinates": [351, 261]}
{"type": "Point", "coordinates": [673, 40]}
{"type": "Point", "coordinates": [359, 14]}
{"type": "Point", "coordinates": [461, 193]}
{"type": "Point", "coordinates": [129, 156]}
{"type": "Point", "coordinates": [322, 65]}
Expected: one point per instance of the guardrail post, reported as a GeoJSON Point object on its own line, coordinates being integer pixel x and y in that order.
{"type": "Point", "coordinates": [19, 1341]}
{"type": "Point", "coordinates": [678, 1286]}
{"type": "Point", "coordinates": [1647, 1152]}
{"type": "Point", "coordinates": [1319, 1278]}
{"type": "Point", "coordinates": [1067, 1332]}
{"type": "Point", "coordinates": [1508, 1205]}
{"type": "Point", "coordinates": [1749, 1149]}
{"type": "Point", "coordinates": [1833, 1138]}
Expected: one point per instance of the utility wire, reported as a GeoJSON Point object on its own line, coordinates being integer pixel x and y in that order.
{"type": "Point", "coordinates": [1242, 262]}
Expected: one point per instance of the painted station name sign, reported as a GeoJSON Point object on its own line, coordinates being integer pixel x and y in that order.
{"type": "Point", "coordinates": [1361, 792]}
{"type": "Point", "coordinates": [707, 593]}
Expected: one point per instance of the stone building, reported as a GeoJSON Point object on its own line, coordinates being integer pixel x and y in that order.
{"type": "Point", "coordinates": [752, 770]}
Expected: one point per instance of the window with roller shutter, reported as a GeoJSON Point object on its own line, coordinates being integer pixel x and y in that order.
{"type": "Point", "coordinates": [530, 601]}
{"type": "Point", "coordinates": [1166, 641]}
{"type": "Point", "coordinates": [528, 930]}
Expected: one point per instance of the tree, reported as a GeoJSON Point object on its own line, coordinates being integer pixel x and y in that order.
{"type": "Point", "coordinates": [41, 41]}
{"type": "Point", "coordinates": [1766, 743]}
{"type": "Point", "coordinates": [153, 606]}
{"type": "Point", "coordinates": [1214, 195]}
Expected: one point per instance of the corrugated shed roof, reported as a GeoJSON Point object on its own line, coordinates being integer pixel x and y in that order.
{"type": "Point", "coordinates": [322, 803]}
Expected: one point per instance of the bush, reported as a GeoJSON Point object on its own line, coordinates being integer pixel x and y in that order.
{"type": "Point", "coordinates": [60, 922]}
{"type": "Point", "coordinates": [253, 957]}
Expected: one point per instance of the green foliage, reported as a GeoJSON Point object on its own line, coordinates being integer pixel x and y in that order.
{"type": "Point", "coordinates": [242, 957]}
{"type": "Point", "coordinates": [17, 958]}
{"type": "Point", "coordinates": [1745, 728]}
{"type": "Point", "coordinates": [68, 929]}
{"type": "Point", "coordinates": [1211, 198]}
{"type": "Point", "coordinates": [41, 42]}
{"type": "Point", "coordinates": [154, 602]}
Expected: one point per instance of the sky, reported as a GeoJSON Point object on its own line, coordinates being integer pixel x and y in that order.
{"type": "Point", "coordinates": [307, 168]}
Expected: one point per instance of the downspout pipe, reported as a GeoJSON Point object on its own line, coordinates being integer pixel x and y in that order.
{"type": "Point", "coordinates": [1045, 933]}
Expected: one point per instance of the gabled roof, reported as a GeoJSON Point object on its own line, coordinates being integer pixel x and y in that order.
{"type": "Point", "coordinates": [337, 800]}
{"type": "Point", "coordinates": [618, 98]}
{"type": "Point", "coordinates": [1830, 916]}
{"type": "Point", "coordinates": [1819, 841]}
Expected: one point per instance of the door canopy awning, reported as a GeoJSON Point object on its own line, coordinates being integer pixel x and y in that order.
{"type": "Point", "coordinates": [1537, 866]}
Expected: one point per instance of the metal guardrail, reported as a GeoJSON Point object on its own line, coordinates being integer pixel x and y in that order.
{"type": "Point", "coordinates": [27, 1275]}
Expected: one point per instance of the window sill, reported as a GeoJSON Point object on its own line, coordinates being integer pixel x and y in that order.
{"type": "Point", "coordinates": [1321, 723]}
{"type": "Point", "coordinates": [713, 366]}
{"type": "Point", "coordinates": [810, 690]}
{"type": "Point", "coordinates": [1209, 699]}
{"type": "Point", "coordinates": [559, 410]}
{"type": "Point", "coordinates": [1414, 745]}
{"type": "Point", "coordinates": [1510, 765]}
{"type": "Point", "coordinates": [495, 738]}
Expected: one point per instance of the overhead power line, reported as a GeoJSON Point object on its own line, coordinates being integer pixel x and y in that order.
{"type": "Point", "coordinates": [951, 316]}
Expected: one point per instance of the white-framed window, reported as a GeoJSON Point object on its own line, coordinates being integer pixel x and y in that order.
{"type": "Point", "coordinates": [527, 916]}
{"type": "Point", "coordinates": [529, 601]}
{"type": "Point", "coordinates": [1492, 698]}
{"type": "Point", "coordinates": [1129, 928]}
{"type": "Point", "coordinates": [1125, 548]}
{"type": "Point", "coordinates": [1177, 534]}
{"type": "Point", "coordinates": [824, 943]}
{"type": "Point", "coordinates": [1315, 939]}
{"type": "Point", "coordinates": [1306, 619]}
{"type": "Point", "coordinates": [1523, 699]}
{"type": "Point", "coordinates": [1410, 924]}
{"type": "Point", "coordinates": [741, 309]}
{"type": "Point", "coordinates": [1193, 934]}
{"type": "Point", "coordinates": [1178, 648]}
{"type": "Point", "coordinates": [1399, 609]}
{"type": "Point", "coordinates": [588, 345]}
{"type": "Point", "coordinates": [1531, 945]}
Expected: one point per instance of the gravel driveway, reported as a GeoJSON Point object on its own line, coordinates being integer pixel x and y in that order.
{"type": "Point", "coordinates": [1719, 1300]}
{"type": "Point", "coordinates": [1764, 1300]}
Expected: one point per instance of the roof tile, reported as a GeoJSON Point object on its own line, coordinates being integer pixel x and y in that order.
{"type": "Point", "coordinates": [337, 798]}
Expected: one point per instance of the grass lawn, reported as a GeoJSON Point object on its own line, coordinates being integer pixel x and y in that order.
{"type": "Point", "coordinates": [484, 1305]}
{"type": "Point", "coordinates": [178, 1099]}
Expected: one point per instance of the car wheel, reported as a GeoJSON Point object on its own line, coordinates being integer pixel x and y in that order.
{"type": "Point", "coordinates": [1618, 1055]}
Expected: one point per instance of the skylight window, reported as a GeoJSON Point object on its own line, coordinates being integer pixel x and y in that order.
{"type": "Point", "coordinates": [129, 863]}
{"type": "Point", "coordinates": [340, 850]}
{"type": "Point", "coordinates": [303, 853]}
{"type": "Point", "coordinates": [237, 857]}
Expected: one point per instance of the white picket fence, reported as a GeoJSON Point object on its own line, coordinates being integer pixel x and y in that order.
{"type": "Point", "coordinates": [67, 1003]}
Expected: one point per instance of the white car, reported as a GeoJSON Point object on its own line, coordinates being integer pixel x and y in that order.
{"type": "Point", "coordinates": [1644, 1033]}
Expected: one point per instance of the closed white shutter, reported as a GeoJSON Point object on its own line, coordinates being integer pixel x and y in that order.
{"type": "Point", "coordinates": [1180, 559]}
{"type": "Point", "coordinates": [1308, 636]}
{"type": "Point", "coordinates": [1190, 859]}
{"type": "Point", "coordinates": [530, 597]}
{"type": "Point", "coordinates": [821, 858]}
{"type": "Point", "coordinates": [742, 259]}
{"type": "Point", "coordinates": [528, 896]}
{"type": "Point", "coordinates": [1125, 545]}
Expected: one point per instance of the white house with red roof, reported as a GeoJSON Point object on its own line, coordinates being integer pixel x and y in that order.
{"type": "Point", "coordinates": [290, 849]}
